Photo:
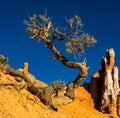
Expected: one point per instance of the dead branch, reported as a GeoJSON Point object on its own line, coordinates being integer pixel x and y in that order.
{"type": "Point", "coordinates": [75, 39]}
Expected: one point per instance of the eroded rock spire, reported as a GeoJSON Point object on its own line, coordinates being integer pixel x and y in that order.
{"type": "Point", "coordinates": [105, 87]}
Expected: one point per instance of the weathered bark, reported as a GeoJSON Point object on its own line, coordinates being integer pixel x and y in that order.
{"type": "Point", "coordinates": [17, 85]}
{"type": "Point", "coordinates": [7, 69]}
{"type": "Point", "coordinates": [32, 86]}
{"type": "Point", "coordinates": [44, 93]}
{"type": "Point", "coordinates": [81, 66]}
{"type": "Point", "coordinates": [70, 91]}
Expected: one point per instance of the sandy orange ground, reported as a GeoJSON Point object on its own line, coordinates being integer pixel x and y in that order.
{"type": "Point", "coordinates": [22, 104]}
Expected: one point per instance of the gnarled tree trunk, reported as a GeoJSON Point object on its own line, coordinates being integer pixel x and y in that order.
{"type": "Point", "coordinates": [81, 66]}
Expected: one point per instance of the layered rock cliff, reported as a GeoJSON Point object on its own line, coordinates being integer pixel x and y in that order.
{"type": "Point", "coordinates": [104, 86]}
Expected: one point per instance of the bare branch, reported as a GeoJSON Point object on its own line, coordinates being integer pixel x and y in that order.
{"type": "Point", "coordinates": [75, 39]}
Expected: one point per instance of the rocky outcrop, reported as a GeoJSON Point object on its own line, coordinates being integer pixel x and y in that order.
{"type": "Point", "coordinates": [104, 87]}
{"type": "Point", "coordinates": [118, 104]}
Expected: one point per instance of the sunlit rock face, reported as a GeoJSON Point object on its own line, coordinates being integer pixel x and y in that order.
{"type": "Point", "coordinates": [104, 87]}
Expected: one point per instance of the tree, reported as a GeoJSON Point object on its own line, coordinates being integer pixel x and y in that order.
{"type": "Point", "coordinates": [58, 86]}
{"type": "Point", "coordinates": [41, 28]}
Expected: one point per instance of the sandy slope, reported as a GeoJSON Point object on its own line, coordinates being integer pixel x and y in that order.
{"type": "Point", "coordinates": [22, 104]}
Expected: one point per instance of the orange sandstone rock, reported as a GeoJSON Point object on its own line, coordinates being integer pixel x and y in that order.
{"type": "Point", "coordinates": [25, 69]}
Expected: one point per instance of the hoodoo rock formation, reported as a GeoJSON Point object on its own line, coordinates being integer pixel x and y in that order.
{"type": "Point", "coordinates": [104, 86]}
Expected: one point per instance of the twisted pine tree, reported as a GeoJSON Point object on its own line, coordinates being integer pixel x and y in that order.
{"type": "Point", "coordinates": [41, 28]}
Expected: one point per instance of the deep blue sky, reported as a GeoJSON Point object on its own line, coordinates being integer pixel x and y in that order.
{"type": "Point", "coordinates": [101, 18]}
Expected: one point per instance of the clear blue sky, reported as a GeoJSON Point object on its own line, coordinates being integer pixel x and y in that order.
{"type": "Point", "coordinates": [101, 18]}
